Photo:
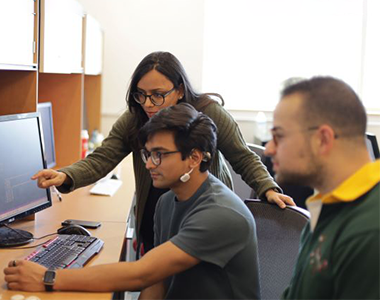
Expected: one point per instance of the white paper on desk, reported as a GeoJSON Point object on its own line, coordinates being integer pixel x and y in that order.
{"type": "Point", "coordinates": [106, 187]}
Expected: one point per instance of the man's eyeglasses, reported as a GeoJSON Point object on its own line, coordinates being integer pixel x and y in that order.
{"type": "Point", "coordinates": [277, 136]}
{"type": "Point", "coordinates": [156, 98]}
{"type": "Point", "coordinates": [155, 155]}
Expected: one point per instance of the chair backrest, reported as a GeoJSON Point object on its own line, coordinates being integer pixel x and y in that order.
{"type": "Point", "coordinates": [243, 190]}
{"type": "Point", "coordinates": [373, 147]}
{"type": "Point", "coordinates": [278, 234]}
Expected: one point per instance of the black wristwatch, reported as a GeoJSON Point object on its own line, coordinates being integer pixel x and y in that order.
{"type": "Point", "coordinates": [49, 280]}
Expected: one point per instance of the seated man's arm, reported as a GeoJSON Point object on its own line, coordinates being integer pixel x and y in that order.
{"type": "Point", "coordinates": [156, 291]}
{"type": "Point", "coordinates": [356, 268]}
{"type": "Point", "coordinates": [158, 264]}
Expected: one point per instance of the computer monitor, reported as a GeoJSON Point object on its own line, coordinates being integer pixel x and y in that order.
{"type": "Point", "coordinates": [46, 111]}
{"type": "Point", "coordinates": [21, 156]}
{"type": "Point", "coordinates": [373, 147]}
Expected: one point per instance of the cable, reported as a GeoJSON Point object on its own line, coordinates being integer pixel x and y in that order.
{"type": "Point", "coordinates": [27, 247]}
{"type": "Point", "coordinates": [34, 238]}
{"type": "Point", "coordinates": [59, 195]}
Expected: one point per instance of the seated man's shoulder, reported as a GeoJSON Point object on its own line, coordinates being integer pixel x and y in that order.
{"type": "Point", "coordinates": [219, 193]}
{"type": "Point", "coordinates": [166, 198]}
{"type": "Point", "coordinates": [362, 215]}
{"type": "Point", "coordinates": [219, 187]}
{"type": "Point", "coordinates": [368, 208]}
{"type": "Point", "coordinates": [224, 204]}
{"type": "Point", "coordinates": [219, 220]}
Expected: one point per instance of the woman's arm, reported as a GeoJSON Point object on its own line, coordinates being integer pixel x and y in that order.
{"type": "Point", "coordinates": [103, 160]}
{"type": "Point", "coordinates": [245, 162]}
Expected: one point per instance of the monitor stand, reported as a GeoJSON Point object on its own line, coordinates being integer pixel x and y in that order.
{"type": "Point", "coordinates": [10, 237]}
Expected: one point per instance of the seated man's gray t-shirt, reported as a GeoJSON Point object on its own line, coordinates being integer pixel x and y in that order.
{"type": "Point", "coordinates": [216, 227]}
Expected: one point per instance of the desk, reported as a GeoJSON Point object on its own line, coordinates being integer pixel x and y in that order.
{"type": "Point", "coordinates": [111, 211]}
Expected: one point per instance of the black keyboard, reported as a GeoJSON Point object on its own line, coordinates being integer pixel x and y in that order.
{"type": "Point", "coordinates": [66, 251]}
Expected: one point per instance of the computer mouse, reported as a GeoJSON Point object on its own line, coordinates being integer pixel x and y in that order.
{"type": "Point", "coordinates": [73, 229]}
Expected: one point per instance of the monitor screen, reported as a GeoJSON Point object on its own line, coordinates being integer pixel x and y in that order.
{"type": "Point", "coordinates": [46, 111]}
{"type": "Point", "coordinates": [373, 147]}
{"type": "Point", "coordinates": [21, 156]}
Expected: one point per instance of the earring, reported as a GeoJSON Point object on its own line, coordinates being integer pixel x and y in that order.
{"type": "Point", "coordinates": [207, 156]}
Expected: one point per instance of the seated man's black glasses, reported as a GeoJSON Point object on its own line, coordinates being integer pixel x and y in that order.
{"type": "Point", "coordinates": [155, 155]}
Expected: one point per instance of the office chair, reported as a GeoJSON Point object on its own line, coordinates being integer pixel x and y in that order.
{"type": "Point", "coordinates": [372, 146]}
{"type": "Point", "coordinates": [128, 252]}
{"type": "Point", "coordinates": [278, 235]}
{"type": "Point", "coordinates": [243, 190]}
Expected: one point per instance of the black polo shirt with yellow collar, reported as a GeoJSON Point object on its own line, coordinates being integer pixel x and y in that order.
{"type": "Point", "coordinates": [339, 251]}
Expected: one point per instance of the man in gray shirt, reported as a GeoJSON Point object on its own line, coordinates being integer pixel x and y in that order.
{"type": "Point", "coordinates": [205, 237]}
{"type": "Point", "coordinates": [199, 216]}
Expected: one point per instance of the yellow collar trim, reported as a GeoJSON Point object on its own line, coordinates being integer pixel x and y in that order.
{"type": "Point", "coordinates": [355, 186]}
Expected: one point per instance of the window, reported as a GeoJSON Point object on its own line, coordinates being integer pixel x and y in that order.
{"type": "Point", "coordinates": [252, 46]}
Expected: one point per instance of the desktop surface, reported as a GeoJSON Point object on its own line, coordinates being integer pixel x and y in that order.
{"type": "Point", "coordinates": [48, 221]}
{"type": "Point", "coordinates": [112, 212]}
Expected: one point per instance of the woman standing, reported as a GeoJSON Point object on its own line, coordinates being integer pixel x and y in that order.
{"type": "Point", "coordinates": [160, 81]}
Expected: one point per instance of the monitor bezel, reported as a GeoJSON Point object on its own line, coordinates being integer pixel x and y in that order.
{"type": "Point", "coordinates": [47, 204]}
{"type": "Point", "coordinates": [52, 137]}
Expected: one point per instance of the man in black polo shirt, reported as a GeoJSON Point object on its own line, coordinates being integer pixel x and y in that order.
{"type": "Point", "coordinates": [319, 141]}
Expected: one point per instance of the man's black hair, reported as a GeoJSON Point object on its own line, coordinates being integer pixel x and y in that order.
{"type": "Point", "coordinates": [191, 129]}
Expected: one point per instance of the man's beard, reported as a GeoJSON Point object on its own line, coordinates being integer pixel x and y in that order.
{"type": "Point", "coordinates": [311, 178]}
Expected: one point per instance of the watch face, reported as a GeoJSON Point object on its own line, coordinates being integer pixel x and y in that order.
{"type": "Point", "coordinates": [49, 277]}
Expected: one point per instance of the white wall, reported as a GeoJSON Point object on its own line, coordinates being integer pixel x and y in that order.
{"type": "Point", "coordinates": [135, 28]}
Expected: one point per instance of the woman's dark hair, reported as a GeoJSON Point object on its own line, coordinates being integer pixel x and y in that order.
{"type": "Point", "coordinates": [168, 65]}
{"type": "Point", "coordinates": [191, 129]}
